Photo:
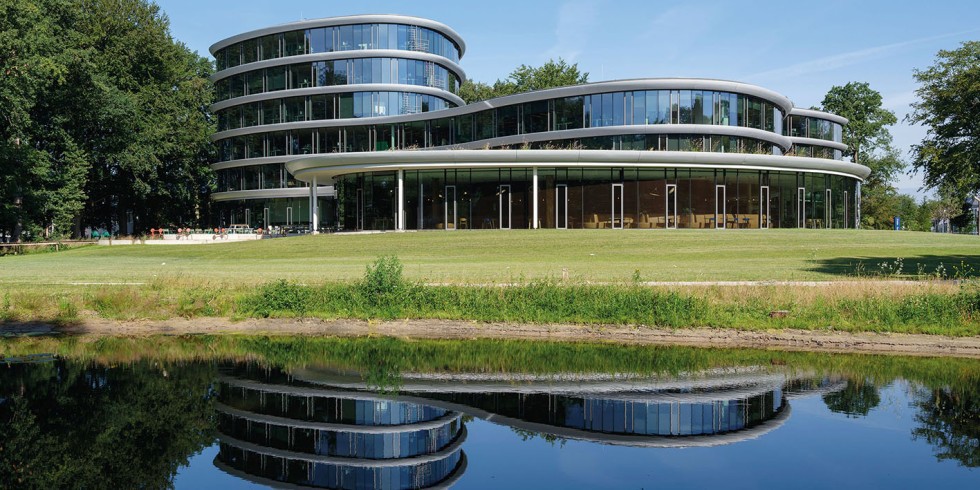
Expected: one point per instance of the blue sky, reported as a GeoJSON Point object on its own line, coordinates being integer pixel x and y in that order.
{"type": "Point", "coordinates": [800, 49]}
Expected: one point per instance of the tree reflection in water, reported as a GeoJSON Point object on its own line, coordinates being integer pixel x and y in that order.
{"type": "Point", "coordinates": [856, 399]}
{"type": "Point", "coordinates": [950, 422]}
{"type": "Point", "coordinates": [71, 425]}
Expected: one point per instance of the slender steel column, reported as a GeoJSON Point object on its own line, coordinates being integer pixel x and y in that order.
{"type": "Point", "coordinates": [314, 209]}
{"type": "Point", "coordinates": [534, 196]}
{"type": "Point", "coordinates": [400, 219]}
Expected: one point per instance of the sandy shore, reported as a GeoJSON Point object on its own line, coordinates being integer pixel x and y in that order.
{"type": "Point", "coordinates": [797, 340]}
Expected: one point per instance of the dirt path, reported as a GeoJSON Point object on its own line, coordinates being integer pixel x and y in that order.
{"type": "Point", "coordinates": [799, 340]}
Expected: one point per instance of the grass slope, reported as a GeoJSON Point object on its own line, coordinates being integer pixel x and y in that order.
{"type": "Point", "coordinates": [498, 256]}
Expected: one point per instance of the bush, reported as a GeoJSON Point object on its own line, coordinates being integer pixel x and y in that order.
{"type": "Point", "coordinates": [383, 281]}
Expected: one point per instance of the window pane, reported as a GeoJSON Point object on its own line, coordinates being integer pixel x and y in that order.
{"type": "Point", "coordinates": [270, 47]}
{"type": "Point", "coordinates": [301, 76]}
{"type": "Point", "coordinates": [536, 117]}
{"type": "Point", "coordinates": [639, 108]}
{"type": "Point", "coordinates": [295, 108]}
{"type": "Point", "coordinates": [685, 107]}
{"type": "Point", "coordinates": [275, 79]}
{"type": "Point", "coordinates": [318, 40]}
{"type": "Point", "coordinates": [294, 43]}
{"type": "Point", "coordinates": [608, 110]}
{"type": "Point", "coordinates": [250, 51]}
{"type": "Point", "coordinates": [568, 113]}
{"type": "Point", "coordinates": [270, 112]}
{"type": "Point", "coordinates": [464, 129]}
{"type": "Point", "coordinates": [619, 109]}
{"type": "Point", "coordinates": [507, 121]}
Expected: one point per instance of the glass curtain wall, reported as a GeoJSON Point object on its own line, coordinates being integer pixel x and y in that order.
{"type": "Point", "coordinates": [599, 199]}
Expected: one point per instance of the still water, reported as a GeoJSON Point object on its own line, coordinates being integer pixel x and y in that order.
{"type": "Point", "coordinates": [809, 422]}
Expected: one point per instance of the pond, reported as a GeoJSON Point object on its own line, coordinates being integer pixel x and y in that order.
{"type": "Point", "coordinates": [208, 412]}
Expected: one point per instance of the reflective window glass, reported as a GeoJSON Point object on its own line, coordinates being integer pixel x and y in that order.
{"type": "Point", "coordinates": [507, 121]}
{"type": "Point", "coordinates": [270, 112]}
{"type": "Point", "coordinates": [441, 130]}
{"type": "Point", "coordinates": [464, 128]}
{"type": "Point", "coordinates": [535, 117]}
{"type": "Point", "coordinates": [568, 113]}
{"type": "Point", "coordinates": [254, 82]}
{"type": "Point", "coordinates": [277, 143]}
{"type": "Point", "coordinates": [236, 86]}
{"type": "Point", "coordinates": [300, 76]}
{"type": "Point", "coordinates": [345, 106]}
{"type": "Point", "coordinates": [483, 125]}
{"type": "Point", "coordinates": [619, 109]}
{"type": "Point", "coordinates": [639, 112]}
{"type": "Point", "coordinates": [685, 107]}
{"type": "Point", "coordinates": [250, 116]}
{"type": "Point", "coordinates": [674, 106]}
{"type": "Point", "coordinates": [301, 142]}
{"type": "Point", "coordinates": [254, 144]}
{"type": "Point", "coordinates": [295, 109]}
{"type": "Point", "coordinates": [250, 51]}
{"type": "Point", "coordinates": [233, 55]}
{"type": "Point", "coordinates": [722, 110]}
{"type": "Point", "coordinates": [607, 110]}
{"type": "Point", "coordinates": [318, 40]}
{"type": "Point", "coordinates": [321, 107]}
{"type": "Point", "coordinates": [294, 43]}
{"type": "Point", "coordinates": [275, 78]}
{"type": "Point", "coordinates": [269, 46]}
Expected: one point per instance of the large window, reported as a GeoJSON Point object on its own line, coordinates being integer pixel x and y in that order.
{"type": "Point", "coordinates": [300, 76]}
{"type": "Point", "coordinates": [507, 118]}
{"type": "Point", "coordinates": [535, 117]}
{"type": "Point", "coordinates": [568, 113]}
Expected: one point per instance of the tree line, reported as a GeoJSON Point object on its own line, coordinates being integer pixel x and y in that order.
{"type": "Point", "coordinates": [104, 120]}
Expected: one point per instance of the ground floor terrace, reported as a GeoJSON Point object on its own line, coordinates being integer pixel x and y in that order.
{"type": "Point", "coordinates": [562, 198]}
{"type": "Point", "coordinates": [615, 198]}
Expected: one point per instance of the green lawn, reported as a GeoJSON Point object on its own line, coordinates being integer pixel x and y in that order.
{"type": "Point", "coordinates": [507, 256]}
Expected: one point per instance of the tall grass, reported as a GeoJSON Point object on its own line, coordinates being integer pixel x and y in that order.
{"type": "Point", "coordinates": [931, 307]}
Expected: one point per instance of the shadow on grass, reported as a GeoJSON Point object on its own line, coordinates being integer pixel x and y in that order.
{"type": "Point", "coordinates": [956, 266]}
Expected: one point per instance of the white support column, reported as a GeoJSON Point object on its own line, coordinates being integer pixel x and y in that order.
{"type": "Point", "coordinates": [400, 218]}
{"type": "Point", "coordinates": [314, 209]}
{"type": "Point", "coordinates": [534, 197]}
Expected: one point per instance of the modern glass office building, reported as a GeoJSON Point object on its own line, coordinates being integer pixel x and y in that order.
{"type": "Point", "coordinates": [354, 123]}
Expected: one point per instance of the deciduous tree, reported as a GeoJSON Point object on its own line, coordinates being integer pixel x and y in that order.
{"type": "Point", "coordinates": [949, 107]}
{"type": "Point", "coordinates": [526, 78]}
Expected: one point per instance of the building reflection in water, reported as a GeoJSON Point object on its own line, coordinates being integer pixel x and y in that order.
{"type": "Point", "coordinates": [276, 431]}
{"type": "Point", "coordinates": [326, 429]}
{"type": "Point", "coordinates": [703, 409]}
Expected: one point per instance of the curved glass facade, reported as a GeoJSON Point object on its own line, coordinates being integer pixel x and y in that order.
{"type": "Point", "coordinates": [280, 120]}
{"type": "Point", "coordinates": [648, 198]}
{"type": "Point", "coordinates": [339, 38]}
{"type": "Point", "coordinates": [338, 72]}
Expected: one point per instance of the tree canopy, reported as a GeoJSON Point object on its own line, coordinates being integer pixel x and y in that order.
{"type": "Point", "coordinates": [869, 143]}
{"type": "Point", "coordinates": [104, 116]}
{"type": "Point", "coordinates": [866, 130]}
{"type": "Point", "coordinates": [949, 107]}
{"type": "Point", "coordinates": [526, 79]}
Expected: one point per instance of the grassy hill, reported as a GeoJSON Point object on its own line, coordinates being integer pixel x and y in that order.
{"type": "Point", "coordinates": [510, 256]}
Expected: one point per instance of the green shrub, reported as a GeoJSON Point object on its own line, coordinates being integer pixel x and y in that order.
{"type": "Point", "coordinates": [384, 279]}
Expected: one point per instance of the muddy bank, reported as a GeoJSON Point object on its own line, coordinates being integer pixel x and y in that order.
{"type": "Point", "coordinates": [797, 340]}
